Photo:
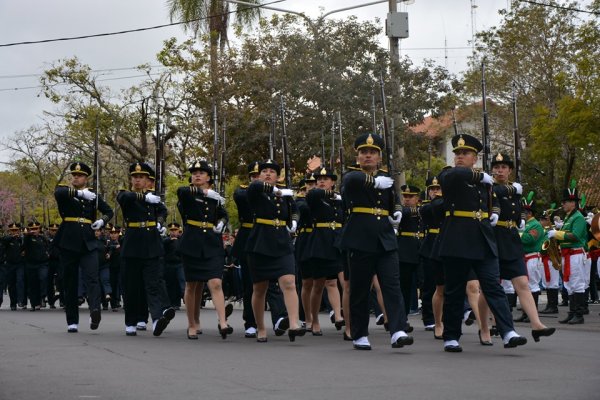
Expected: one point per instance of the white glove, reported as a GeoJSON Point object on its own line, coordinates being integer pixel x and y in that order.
{"type": "Point", "coordinates": [493, 219]}
{"type": "Point", "coordinates": [395, 220]}
{"type": "Point", "coordinates": [99, 223]}
{"type": "Point", "coordinates": [219, 228]}
{"type": "Point", "coordinates": [487, 179]}
{"type": "Point", "coordinates": [215, 196]}
{"type": "Point", "coordinates": [293, 228]}
{"type": "Point", "coordinates": [286, 192]}
{"type": "Point", "coordinates": [589, 217]}
{"type": "Point", "coordinates": [152, 198]}
{"type": "Point", "coordinates": [383, 182]}
{"type": "Point", "coordinates": [558, 223]}
{"type": "Point", "coordinates": [551, 233]}
{"type": "Point", "coordinates": [338, 197]}
{"type": "Point", "coordinates": [521, 226]}
{"type": "Point", "coordinates": [161, 229]}
{"type": "Point", "coordinates": [86, 194]}
{"type": "Point", "coordinates": [518, 187]}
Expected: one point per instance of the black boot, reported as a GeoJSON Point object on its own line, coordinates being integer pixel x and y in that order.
{"type": "Point", "coordinates": [512, 300]}
{"type": "Point", "coordinates": [586, 310]}
{"type": "Point", "coordinates": [552, 305]}
{"type": "Point", "coordinates": [579, 300]}
{"type": "Point", "coordinates": [571, 313]}
{"type": "Point", "coordinates": [565, 298]}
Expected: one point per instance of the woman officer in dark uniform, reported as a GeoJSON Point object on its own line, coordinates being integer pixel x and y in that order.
{"type": "Point", "coordinates": [324, 256]}
{"type": "Point", "coordinates": [270, 250]}
{"type": "Point", "coordinates": [201, 245]}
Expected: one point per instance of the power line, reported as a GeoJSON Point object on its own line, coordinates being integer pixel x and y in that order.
{"type": "Point", "coordinates": [136, 30]}
{"type": "Point", "coordinates": [93, 70]}
{"type": "Point", "coordinates": [60, 84]}
{"type": "Point", "coordinates": [559, 7]}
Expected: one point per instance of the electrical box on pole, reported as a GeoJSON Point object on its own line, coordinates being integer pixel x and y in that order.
{"type": "Point", "coordinates": [396, 25]}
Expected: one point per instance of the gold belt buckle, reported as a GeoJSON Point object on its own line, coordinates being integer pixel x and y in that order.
{"type": "Point", "coordinates": [417, 234]}
{"type": "Point", "coordinates": [377, 211]}
{"type": "Point", "coordinates": [277, 222]}
{"type": "Point", "coordinates": [143, 224]}
{"type": "Point", "coordinates": [203, 224]}
{"type": "Point", "coordinates": [81, 220]}
{"type": "Point", "coordinates": [479, 215]}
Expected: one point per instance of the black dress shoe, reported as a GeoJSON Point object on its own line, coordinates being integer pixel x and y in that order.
{"type": "Point", "coordinates": [346, 337]}
{"type": "Point", "coordinates": [317, 333]}
{"type": "Point", "coordinates": [451, 348]}
{"type": "Point", "coordinates": [408, 329]}
{"type": "Point", "coordinates": [191, 337]}
{"type": "Point", "coordinates": [362, 347]}
{"type": "Point", "coordinates": [72, 330]}
{"type": "Point", "coordinates": [470, 319]}
{"type": "Point", "coordinates": [199, 332]}
{"type": "Point", "coordinates": [292, 333]}
{"type": "Point", "coordinates": [438, 337]}
{"type": "Point", "coordinates": [131, 333]}
{"type": "Point", "coordinates": [484, 342]}
{"type": "Point", "coordinates": [494, 331]}
{"type": "Point", "coordinates": [261, 339]}
{"type": "Point", "coordinates": [537, 333]}
{"type": "Point", "coordinates": [95, 319]}
{"type": "Point", "coordinates": [225, 331]}
{"type": "Point", "coordinates": [429, 329]}
{"type": "Point", "coordinates": [515, 341]}
{"type": "Point", "coordinates": [403, 341]}
{"type": "Point", "coordinates": [339, 324]}
{"type": "Point", "coordinates": [228, 310]}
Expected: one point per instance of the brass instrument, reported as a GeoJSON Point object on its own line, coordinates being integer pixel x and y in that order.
{"type": "Point", "coordinates": [552, 248]}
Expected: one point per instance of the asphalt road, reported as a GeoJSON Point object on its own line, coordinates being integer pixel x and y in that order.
{"type": "Point", "coordinates": [40, 360]}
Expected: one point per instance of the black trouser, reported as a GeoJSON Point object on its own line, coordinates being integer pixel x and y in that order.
{"type": "Point", "coordinates": [274, 298]}
{"type": "Point", "coordinates": [144, 276]}
{"type": "Point", "coordinates": [37, 276]}
{"type": "Point", "coordinates": [54, 281]}
{"type": "Point", "coordinates": [172, 284]}
{"type": "Point", "coordinates": [115, 284]}
{"type": "Point", "coordinates": [407, 280]}
{"type": "Point", "coordinates": [456, 271]}
{"type": "Point", "coordinates": [71, 262]}
{"type": "Point", "coordinates": [428, 291]}
{"type": "Point", "coordinates": [363, 266]}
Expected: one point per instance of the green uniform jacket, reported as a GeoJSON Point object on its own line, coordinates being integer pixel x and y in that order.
{"type": "Point", "coordinates": [575, 229]}
{"type": "Point", "coordinates": [533, 236]}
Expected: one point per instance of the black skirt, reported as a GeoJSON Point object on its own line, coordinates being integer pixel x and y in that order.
{"type": "Point", "coordinates": [317, 268]}
{"type": "Point", "coordinates": [202, 269]}
{"type": "Point", "coordinates": [266, 268]}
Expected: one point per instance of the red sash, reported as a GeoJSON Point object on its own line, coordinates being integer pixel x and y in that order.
{"type": "Point", "coordinates": [567, 253]}
{"type": "Point", "coordinates": [545, 260]}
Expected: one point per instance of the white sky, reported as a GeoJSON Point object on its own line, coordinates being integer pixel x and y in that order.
{"type": "Point", "coordinates": [431, 22]}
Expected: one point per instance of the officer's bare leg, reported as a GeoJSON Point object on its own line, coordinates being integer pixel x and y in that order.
{"type": "Point", "coordinates": [287, 284]}
{"type": "Point", "coordinates": [259, 292]}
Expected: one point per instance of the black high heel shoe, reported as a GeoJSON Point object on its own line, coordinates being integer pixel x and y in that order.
{"type": "Point", "coordinates": [484, 342]}
{"type": "Point", "coordinates": [225, 331]}
{"type": "Point", "coordinates": [347, 338]}
{"type": "Point", "coordinates": [191, 337]}
{"type": "Point", "coordinates": [339, 324]}
{"type": "Point", "coordinates": [292, 333]}
{"type": "Point", "coordinates": [537, 333]}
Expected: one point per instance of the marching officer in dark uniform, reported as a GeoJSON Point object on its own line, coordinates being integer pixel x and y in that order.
{"type": "Point", "coordinates": [305, 279]}
{"type": "Point", "coordinates": [173, 265]}
{"type": "Point", "coordinates": [510, 249]}
{"type": "Point", "coordinates": [55, 276]}
{"type": "Point", "coordinates": [269, 246]}
{"type": "Point", "coordinates": [201, 246]}
{"type": "Point", "coordinates": [77, 243]}
{"type": "Point", "coordinates": [433, 274]}
{"type": "Point", "coordinates": [144, 215]}
{"type": "Point", "coordinates": [324, 256]}
{"type": "Point", "coordinates": [14, 269]}
{"type": "Point", "coordinates": [36, 253]}
{"type": "Point", "coordinates": [274, 295]}
{"type": "Point", "coordinates": [114, 256]}
{"type": "Point", "coordinates": [369, 239]}
{"type": "Point", "coordinates": [409, 242]}
{"type": "Point", "coordinates": [467, 241]}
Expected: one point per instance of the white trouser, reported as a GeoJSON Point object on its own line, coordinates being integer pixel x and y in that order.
{"type": "Point", "coordinates": [576, 281]}
{"type": "Point", "coordinates": [553, 275]}
{"type": "Point", "coordinates": [507, 286]}
{"type": "Point", "coordinates": [535, 270]}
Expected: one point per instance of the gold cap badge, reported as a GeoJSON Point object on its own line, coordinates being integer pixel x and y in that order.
{"type": "Point", "coordinates": [461, 141]}
{"type": "Point", "coordinates": [323, 171]}
{"type": "Point", "coordinates": [499, 157]}
{"type": "Point", "coordinates": [370, 140]}
{"type": "Point", "coordinates": [434, 181]}
{"type": "Point", "coordinates": [138, 167]}
{"type": "Point", "coordinates": [77, 167]}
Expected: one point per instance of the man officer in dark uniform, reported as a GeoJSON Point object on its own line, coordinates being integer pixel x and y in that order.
{"type": "Point", "coordinates": [142, 248]}
{"type": "Point", "coordinates": [369, 239]}
{"type": "Point", "coordinates": [467, 241]}
{"type": "Point", "coordinates": [75, 238]}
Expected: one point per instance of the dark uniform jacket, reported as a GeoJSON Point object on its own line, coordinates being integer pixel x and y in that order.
{"type": "Point", "coordinates": [368, 232]}
{"type": "Point", "coordinates": [466, 237]}
{"type": "Point", "coordinates": [77, 236]}
{"type": "Point", "coordinates": [143, 242]}
{"type": "Point", "coordinates": [270, 240]}
{"type": "Point", "coordinates": [103, 252]}
{"type": "Point", "coordinates": [114, 251]}
{"type": "Point", "coordinates": [172, 257]}
{"type": "Point", "coordinates": [305, 229]}
{"type": "Point", "coordinates": [196, 208]}
{"type": "Point", "coordinates": [509, 242]}
{"type": "Point", "coordinates": [324, 242]}
{"type": "Point", "coordinates": [240, 196]}
{"type": "Point", "coordinates": [36, 250]}
{"type": "Point", "coordinates": [432, 215]}
{"type": "Point", "coordinates": [13, 249]}
{"type": "Point", "coordinates": [408, 246]}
